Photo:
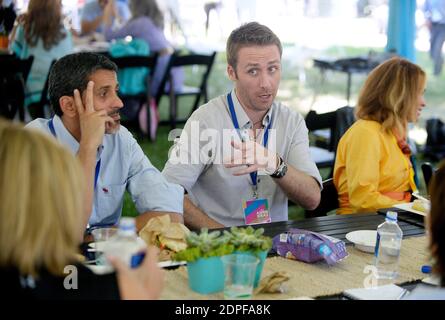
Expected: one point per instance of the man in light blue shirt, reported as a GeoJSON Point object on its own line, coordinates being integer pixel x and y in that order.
{"type": "Point", "coordinates": [83, 92]}
{"type": "Point", "coordinates": [435, 16]}
{"type": "Point", "coordinates": [95, 11]}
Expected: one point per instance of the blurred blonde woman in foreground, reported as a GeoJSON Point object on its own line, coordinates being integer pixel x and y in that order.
{"type": "Point", "coordinates": [41, 226]}
{"type": "Point", "coordinates": [373, 169]}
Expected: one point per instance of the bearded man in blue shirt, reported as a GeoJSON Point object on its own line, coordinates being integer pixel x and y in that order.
{"type": "Point", "coordinates": [83, 92]}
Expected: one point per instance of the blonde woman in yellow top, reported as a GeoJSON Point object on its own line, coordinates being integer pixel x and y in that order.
{"type": "Point", "coordinates": [373, 168]}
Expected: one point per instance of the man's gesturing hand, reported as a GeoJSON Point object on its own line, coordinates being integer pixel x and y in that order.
{"type": "Point", "coordinates": [252, 154]}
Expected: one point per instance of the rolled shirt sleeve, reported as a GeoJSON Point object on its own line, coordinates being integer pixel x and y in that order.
{"type": "Point", "coordinates": [148, 188]}
{"type": "Point", "coordinates": [299, 155]}
{"type": "Point", "coordinates": [185, 165]}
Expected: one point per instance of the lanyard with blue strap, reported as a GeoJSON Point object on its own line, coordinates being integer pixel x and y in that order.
{"type": "Point", "coordinates": [53, 131]}
{"type": "Point", "coordinates": [253, 175]}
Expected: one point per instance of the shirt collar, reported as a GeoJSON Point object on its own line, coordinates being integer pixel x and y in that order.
{"type": "Point", "coordinates": [64, 135]}
{"type": "Point", "coordinates": [243, 119]}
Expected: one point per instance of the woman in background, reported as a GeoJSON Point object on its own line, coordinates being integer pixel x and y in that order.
{"type": "Point", "coordinates": [41, 227]}
{"type": "Point", "coordinates": [41, 33]}
{"type": "Point", "coordinates": [147, 23]}
{"type": "Point", "coordinates": [373, 168]}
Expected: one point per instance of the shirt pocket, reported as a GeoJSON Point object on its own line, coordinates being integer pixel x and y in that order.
{"type": "Point", "coordinates": [109, 201]}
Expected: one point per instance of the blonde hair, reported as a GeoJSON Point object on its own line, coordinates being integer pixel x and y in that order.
{"type": "Point", "coordinates": [390, 94]}
{"type": "Point", "coordinates": [41, 198]}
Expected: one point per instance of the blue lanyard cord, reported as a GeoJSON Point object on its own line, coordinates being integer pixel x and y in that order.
{"type": "Point", "coordinates": [53, 132]}
{"type": "Point", "coordinates": [51, 127]}
{"type": "Point", "coordinates": [253, 175]}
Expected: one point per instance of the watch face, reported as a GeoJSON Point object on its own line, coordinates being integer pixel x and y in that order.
{"type": "Point", "coordinates": [281, 171]}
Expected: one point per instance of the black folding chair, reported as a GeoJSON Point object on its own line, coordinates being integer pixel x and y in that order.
{"type": "Point", "coordinates": [13, 75]}
{"type": "Point", "coordinates": [428, 172]}
{"type": "Point", "coordinates": [328, 202]}
{"type": "Point", "coordinates": [37, 109]}
{"type": "Point", "coordinates": [142, 98]}
{"type": "Point", "coordinates": [335, 123]}
{"type": "Point", "coordinates": [199, 92]}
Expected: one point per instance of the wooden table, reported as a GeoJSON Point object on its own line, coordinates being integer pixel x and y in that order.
{"type": "Point", "coordinates": [321, 281]}
{"type": "Point", "coordinates": [339, 225]}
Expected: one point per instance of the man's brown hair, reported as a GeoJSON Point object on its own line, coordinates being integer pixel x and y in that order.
{"type": "Point", "coordinates": [247, 35]}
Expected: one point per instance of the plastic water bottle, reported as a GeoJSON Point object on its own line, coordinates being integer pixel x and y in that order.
{"type": "Point", "coordinates": [387, 247]}
{"type": "Point", "coordinates": [126, 245]}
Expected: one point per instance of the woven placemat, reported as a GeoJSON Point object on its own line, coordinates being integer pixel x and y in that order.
{"type": "Point", "coordinates": [313, 280]}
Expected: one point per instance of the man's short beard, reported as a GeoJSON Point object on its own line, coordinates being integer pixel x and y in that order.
{"type": "Point", "coordinates": [114, 128]}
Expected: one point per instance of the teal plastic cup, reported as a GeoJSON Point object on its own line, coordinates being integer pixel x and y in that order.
{"type": "Point", "coordinates": [206, 275]}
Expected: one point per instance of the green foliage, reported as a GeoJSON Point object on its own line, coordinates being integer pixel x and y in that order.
{"type": "Point", "coordinates": [214, 244]}
{"type": "Point", "coordinates": [248, 239]}
{"type": "Point", "coordinates": [204, 245]}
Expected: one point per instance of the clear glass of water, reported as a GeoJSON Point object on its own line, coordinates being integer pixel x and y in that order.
{"type": "Point", "coordinates": [101, 236]}
{"type": "Point", "coordinates": [239, 271]}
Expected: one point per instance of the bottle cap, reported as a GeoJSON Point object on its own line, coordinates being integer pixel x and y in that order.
{"type": "Point", "coordinates": [391, 215]}
{"type": "Point", "coordinates": [127, 224]}
{"type": "Point", "coordinates": [427, 269]}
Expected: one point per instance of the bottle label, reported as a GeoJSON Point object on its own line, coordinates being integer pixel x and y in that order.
{"type": "Point", "coordinates": [283, 237]}
{"type": "Point", "coordinates": [325, 250]}
{"type": "Point", "coordinates": [137, 259]}
{"type": "Point", "coordinates": [377, 245]}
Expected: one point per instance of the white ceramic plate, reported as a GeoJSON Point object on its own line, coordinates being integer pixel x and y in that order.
{"type": "Point", "coordinates": [100, 269]}
{"type": "Point", "coordinates": [98, 246]}
{"type": "Point", "coordinates": [363, 240]}
{"type": "Point", "coordinates": [409, 207]}
{"type": "Point", "coordinates": [170, 263]}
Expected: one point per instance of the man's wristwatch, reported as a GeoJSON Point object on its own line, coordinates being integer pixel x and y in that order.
{"type": "Point", "coordinates": [281, 170]}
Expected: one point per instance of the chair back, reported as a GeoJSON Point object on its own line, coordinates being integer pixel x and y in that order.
{"type": "Point", "coordinates": [328, 202]}
{"type": "Point", "coordinates": [13, 76]}
{"type": "Point", "coordinates": [148, 63]}
{"type": "Point", "coordinates": [428, 171]}
{"type": "Point", "coordinates": [200, 91]}
{"type": "Point", "coordinates": [435, 142]}
{"type": "Point", "coordinates": [37, 109]}
{"type": "Point", "coordinates": [335, 123]}
{"type": "Point", "coordinates": [145, 62]}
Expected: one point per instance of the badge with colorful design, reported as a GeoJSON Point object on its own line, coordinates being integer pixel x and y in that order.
{"type": "Point", "coordinates": [256, 211]}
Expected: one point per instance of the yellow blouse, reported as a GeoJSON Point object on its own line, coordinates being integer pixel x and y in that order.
{"type": "Point", "coordinates": [371, 172]}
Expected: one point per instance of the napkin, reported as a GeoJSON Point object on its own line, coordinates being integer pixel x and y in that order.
{"type": "Point", "coordinates": [272, 283]}
{"type": "Point", "coordinates": [386, 292]}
